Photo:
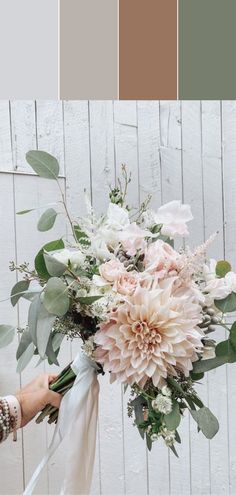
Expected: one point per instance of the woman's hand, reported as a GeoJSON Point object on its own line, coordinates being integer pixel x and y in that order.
{"type": "Point", "coordinates": [35, 396]}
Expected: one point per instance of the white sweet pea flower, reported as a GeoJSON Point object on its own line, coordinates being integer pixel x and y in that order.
{"type": "Point", "coordinates": [230, 281]}
{"type": "Point", "coordinates": [75, 257]}
{"type": "Point", "coordinates": [117, 218]}
{"type": "Point", "coordinates": [132, 238]}
{"type": "Point", "coordinates": [174, 217]}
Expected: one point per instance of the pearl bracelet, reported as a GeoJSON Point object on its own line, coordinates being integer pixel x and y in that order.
{"type": "Point", "coordinates": [10, 417]}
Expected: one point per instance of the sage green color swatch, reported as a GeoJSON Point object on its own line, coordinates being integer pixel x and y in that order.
{"type": "Point", "coordinates": [207, 41]}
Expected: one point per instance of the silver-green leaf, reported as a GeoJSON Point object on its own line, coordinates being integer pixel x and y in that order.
{"type": "Point", "coordinates": [47, 220]}
{"type": "Point", "coordinates": [172, 420]}
{"type": "Point", "coordinates": [44, 164]}
{"type": "Point", "coordinates": [45, 323]}
{"type": "Point", "coordinates": [56, 299]}
{"type": "Point", "coordinates": [206, 422]}
{"type": "Point", "coordinates": [7, 333]}
{"type": "Point", "coordinates": [25, 358]}
{"type": "Point", "coordinates": [18, 291]}
{"type": "Point", "coordinates": [54, 267]}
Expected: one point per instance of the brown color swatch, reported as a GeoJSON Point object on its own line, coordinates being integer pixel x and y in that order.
{"type": "Point", "coordinates": [148, 49]}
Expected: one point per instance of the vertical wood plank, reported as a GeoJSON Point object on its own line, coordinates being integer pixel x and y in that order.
{"type": "Point", "coordinates": [5, 137]}
{"type": "Point", "coordinates": [229, 177]}
{"type": "Point", "coordinates": [110, 417]}
{"type": "Point", "coordinates": [11, 453]}
{"type": "Point", "coordinates": [49, 120]}
{"type": "Point", "coordinates": [126, 151]}
{"type": "Point", "coordinates": [23, 132]}
{"type": "Point", "coordinates": [217, 379]}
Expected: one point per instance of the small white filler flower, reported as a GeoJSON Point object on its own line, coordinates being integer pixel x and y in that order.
{"type": "Point", "coordinates": [162, 404]}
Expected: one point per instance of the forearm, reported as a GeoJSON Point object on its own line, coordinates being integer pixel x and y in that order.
{"type": "Point", "coordinates": [10, 417]}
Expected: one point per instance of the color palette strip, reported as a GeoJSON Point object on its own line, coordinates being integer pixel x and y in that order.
{"type": "Point", "coordinates": [118, 49]}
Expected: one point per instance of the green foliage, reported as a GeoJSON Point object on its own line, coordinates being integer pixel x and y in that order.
{"type": "Point", "coordinates": [54, 267]}
{"type": "Point", "coordinates": [45, 322]}
{"type": "Point", "coordinates": [25, 358]}
{"type": "Point", "coordinates": [39, 262]}
{"type": "Point", "coordinates": [222, 267]}
{"type": "Point", "coordinates": [81, 237]}
{"type": "Point", "coordinates": [44, 164]}
{"type": "Point", "coordinates": [56, 299]}
{"type": "Point", "coordinates": [25, 341]}
{"type": "Point", "coordinates": [196, 376]}
{"type": "Point", "coordinates": [138, 403]}
{"type": "Point", "coordinates": [232, 336]}
{"type": "Point", "coordinates": [205, 365]}
{"type": "Point", "coordinates": [88, 300]}
{"type": "Point", "coordinates": [18, 291]}
{"type": "Point", "coordinates": [23, 212]}
{"type": "Point", "coordinates": [172, 420]}
{"type": "Point", "coordinates": [206, 422]}
{"type": "Point", "coordinates": [7, 333]}
{"type": "Point", "coordinates": [227, 305]}
{"type": "Point", "coordinates": [47, 220]}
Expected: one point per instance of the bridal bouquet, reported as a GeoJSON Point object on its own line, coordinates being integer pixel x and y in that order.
{"type": "Point", "coordinates": [145, 312]}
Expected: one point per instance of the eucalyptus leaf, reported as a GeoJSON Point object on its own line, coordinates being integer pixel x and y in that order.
{"type": "Point", "coordinates": [51, 353]}
{"type": "Point", "coordinates": [23, 212]}
{"type": "Point", "coordinates": [47, 220]}
{"type": "Point", "coordinates": [18, 291]}
{"type": "Point", "coordinates": [7, 333]}
{"type": "Point", "coordinates": [25, 358]}
{"type": "Point", "coordinates": [88, 300]}
{"type": "Point", "coordinates": [57, 339]}
{"type": "Point", "coordinates": [222, 267]}
{"type": "Point", "coordinates": [172, 447]}
{"type": "Point", "coordinates": [232, 336]}
{"type": "Point", "coordinates": [45, 323]}
{"type": "Point", "coordinates": [56, 299]}
{"type": "Point", "coordinates": [33, 318]}
{"type": "Point", "coordinates": [172, 420]}
{"type": "Point", "coordinates": [25, 341]}
{"type": "Point", "coordinates": [227, 305]}
{"type": "Point", "coordinates": [209, 364]}
{"type": "Point", "coordinates": [196, 376]}
{"type": "Point", "coordinates": [226, 349]}
{"type": "Point", "coordinates": [54, 267]}
{"type": "Point", "coordinates": [44, 164]}
{"type": "Point", "coordinates": [138, 403]}
{"type": "Point", "coordinates": [39, 261]}
{"type": "Point", "coordinates": [206, 422]}
{"type": "Point", "coordinates": [148, 442]}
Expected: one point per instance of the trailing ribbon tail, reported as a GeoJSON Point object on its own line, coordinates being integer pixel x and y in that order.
{"type": "Point", "coordinates": [78, 418]}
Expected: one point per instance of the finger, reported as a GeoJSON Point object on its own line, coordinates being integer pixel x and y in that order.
{"type": "Point", "coordinates": [51, 378]}
{"type": "Point", "coordinates": [53, 398]}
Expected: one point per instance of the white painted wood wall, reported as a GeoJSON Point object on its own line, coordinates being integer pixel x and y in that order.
{"type": "Point", "coordinates": [175, 150]}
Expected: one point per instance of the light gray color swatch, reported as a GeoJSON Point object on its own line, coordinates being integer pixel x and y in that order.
{"type": "Point", "coordinates": [29, 49]}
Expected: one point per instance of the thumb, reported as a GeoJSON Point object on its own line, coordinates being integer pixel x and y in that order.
{"type": "Point", "coordinates": [53, 398]}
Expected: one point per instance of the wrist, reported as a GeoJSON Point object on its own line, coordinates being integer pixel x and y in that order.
{"type": "Point", "coordinates": [15, 413]}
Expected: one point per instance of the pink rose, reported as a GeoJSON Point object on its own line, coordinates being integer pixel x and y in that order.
{"type": "Point", "coordinates": [126, 284]}
{"type": "Point", "coordinates": [111, 270]}
{"type": "Point", "coordinates": [161, 258]}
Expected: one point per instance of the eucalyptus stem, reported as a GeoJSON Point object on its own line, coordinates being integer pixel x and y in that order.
{"type": "Point", "coordinates": [66, 210]}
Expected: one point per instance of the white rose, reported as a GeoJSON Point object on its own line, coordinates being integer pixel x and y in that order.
{"type": "Point", "coordinates": [174, 217]}
{"type": "Point", "coordinates": [75, 257]}
{"type": "Point", "coordinates": [117, 217]}
{"type": "Point", "coordinates": [230, 280]}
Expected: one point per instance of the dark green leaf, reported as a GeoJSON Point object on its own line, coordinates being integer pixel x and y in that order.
{"type": "Point", "coordinates": [88, 300]}
{"type": "Point", "coordinates": [138, 411]}
{"type": "Point", "coordinates": [222, 267]}
{"type": "Point", "coordinates": [177, 437]}
{"type": "Point", "coordinates": [172, 420]}
{"type": "Point", "coordinates": [47, 220]}
{"type": "Point", "coordinates": [206, 421]}
{"type": "Point", "coordinates": [23, 212]}
{"type": "Point", "coordinates": [56, 299]}
{"type": "Point", "coordinates": [227, 305]}
{"type": "Point", "coordinates": [25, 341]}
{"type": "Point", "coordinates": [44, 164]}
{"type": "Point", "coordinates": [232, 336]}
{"type": "Point", "coordinates": [148, 442]}
{"type": "Point", "coordinates": [18, 291]}
{"type": "Point", "coordinates": [7, 333]}
{"type": "Point", "coordinates": [39, 261]}
{"type": "Point", "coordinates": [174, 450]}
{"type": "Point", "coordinates": [196, 376]}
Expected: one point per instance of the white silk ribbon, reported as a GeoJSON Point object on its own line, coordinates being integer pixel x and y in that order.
{"type": "Point", "coordinates": [78, 419]}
